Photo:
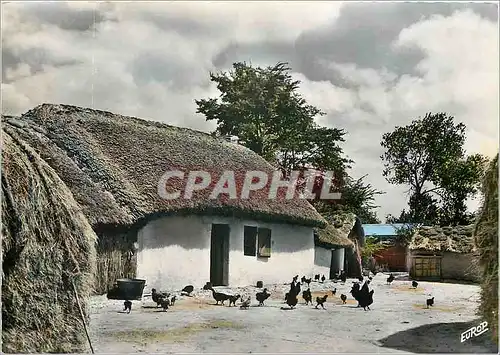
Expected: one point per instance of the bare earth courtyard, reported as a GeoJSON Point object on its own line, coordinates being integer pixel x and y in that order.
{"type": "Point", "coordinates": [398, 322]}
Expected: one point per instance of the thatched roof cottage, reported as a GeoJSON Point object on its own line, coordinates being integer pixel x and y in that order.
{"type": "Point", "coordinates": [48, 253]}
{"type": "Point", "coordinates": [337, 246]}
{"type": "Point", "coordinates": [443, 253]}
{"type": "Point", "coordinates": [113, 164]}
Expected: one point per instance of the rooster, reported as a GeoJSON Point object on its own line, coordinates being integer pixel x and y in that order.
{"type": "Point", "coordinates": [320, 301]}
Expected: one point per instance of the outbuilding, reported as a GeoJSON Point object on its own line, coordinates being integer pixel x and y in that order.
{"type": "Point", "coordinates": [443, 253]}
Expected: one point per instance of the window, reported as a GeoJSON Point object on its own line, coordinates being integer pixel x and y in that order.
{"type": "Point", "coordinates": [250, 241]}
{"type": "Point", "coordinates": [264, 243]}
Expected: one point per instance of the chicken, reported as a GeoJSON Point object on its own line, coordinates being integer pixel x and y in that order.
{"type": "Point", "coordinates": [207, 286]}
{"type": "Point", "coordinates": [343, 276]}
{"type": "Point", "coordinates": [187, 290]}
{"type": "Point", "coordinates": [360, 278]}
{"type": "Point", "coordinates": [219, 297]}
{"type": "Point", "coordinates": [295, 278]}
{"type": "Point", "coordinates": [343, 298]}
{"type": "Point", "coordinates": [334, 291]}
{"type": "Point", "coordinates": [356, 292]}
{"type": "Point", "coordinates": [233, 299]}
{"type": "Point", "coordinates": [172, 300]}
{"type": "Point", "coordinates": [128, 306]}
{"type": "Point", "coordinates": [245, 304]}
{"type": "Point", "coordinates": [320, 301]}
{"type": "Point", "coordinates": [414, 284]}
{"type": "Point", "coordinates": [366, 300]}
{"type": "Point", "coordinates": [308, 281]}
{"type": "Point", "coordinates": [158, 296]}
{"type": "Point", "coordinates": [291, 296]}
{"type": "Point", "coordinates": [303, 279]}
{"type": "Point", "coordinates": [430, 302]}
{"type": "Point", "coordinates": [262, 296]}
{"type": "Point", "coordinates": [316, 277]}
{"type": "Point", "coordinates": [307, 296]}
{"type": "Point", "coordinates": [390, 279]}
{"type": "Point", "coordinates": [323, 278]}
{"type": "Point", "coordinates": [165, 303]}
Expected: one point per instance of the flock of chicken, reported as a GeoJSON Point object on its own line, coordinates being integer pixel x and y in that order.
{"type": "Point", "coordinates": [361, 293]}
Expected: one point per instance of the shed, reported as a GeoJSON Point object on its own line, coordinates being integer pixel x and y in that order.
{"type": "Point", "coordinates": [332, 243]}
{"type": "Point", "coordinates": [438, 253]}
{"type": "Point", "coordinates": [114, 165]}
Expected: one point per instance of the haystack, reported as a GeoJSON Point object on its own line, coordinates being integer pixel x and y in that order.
{"type": "Point", "coordinates": [486, 241]}
{"type": "Point", "coordinates": [48, 254]}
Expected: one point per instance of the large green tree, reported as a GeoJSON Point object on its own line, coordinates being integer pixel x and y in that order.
{"type": "Point", "coordinates": [262, 106]}
{"type": "Point", "coordinates": [428, 156]}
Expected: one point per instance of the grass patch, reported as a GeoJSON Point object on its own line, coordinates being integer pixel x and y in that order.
{"type": "Point", "coordinates": [148, 336]}
{"type": "Point", "coordinates": [408, 288]}
{"type": "Point", "coordinates": [438, 308]}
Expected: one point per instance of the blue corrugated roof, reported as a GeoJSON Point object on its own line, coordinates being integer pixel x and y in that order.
{"type": "Point", "coordinates": [382, 229]}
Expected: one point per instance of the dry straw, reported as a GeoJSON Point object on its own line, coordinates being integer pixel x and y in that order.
{"type": "Point", "coordinates": [486, 240]}
{"type": "Point", "coordinates": [47, 245]}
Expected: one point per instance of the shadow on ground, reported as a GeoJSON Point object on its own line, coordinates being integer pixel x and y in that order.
{"type": "Point", "coordinates": [440, 338]}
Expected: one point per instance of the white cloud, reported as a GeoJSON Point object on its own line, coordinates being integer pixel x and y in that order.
{"type": "Point", "coordinates": [152, 60]}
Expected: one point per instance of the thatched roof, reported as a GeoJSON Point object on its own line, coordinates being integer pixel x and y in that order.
{"type": "Point", "coordinates": [454, 239]}
{"type": "Point", "coordinates": [336, 232]}
{"type": "Point", "coordinates": [113, 163]}
{"type": "Point", "coordinates": [47, 247]}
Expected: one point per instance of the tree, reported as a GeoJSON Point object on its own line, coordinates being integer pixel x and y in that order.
{"type": "Point", "coordinates": [263, 108]}
{"type": "Point", "coordinates": [428, 156]}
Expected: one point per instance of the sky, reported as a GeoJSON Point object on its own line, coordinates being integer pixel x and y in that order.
{"type": "Point", "coordinates": [369, 66]}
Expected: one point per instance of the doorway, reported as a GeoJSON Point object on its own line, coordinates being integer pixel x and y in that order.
{"type": "Point", "coordinates": [219, 255]}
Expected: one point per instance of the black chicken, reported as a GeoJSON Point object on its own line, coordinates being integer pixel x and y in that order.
{"type": "Point", "coordinates": [308, 281]}
{"type": "Point", "coordinates": [430, 302]}
{"type": "Point", "coordinates": [188, 289]}
{"type": "Point", "coordinates": [291, 299]}
{"type": "Point", "coordinates": [323, 278]}
{"type": "Point", "coordinates": [366, 300]}
{"type": "Point", "coordinates": [128, 306]}
{"type": "Point", "coordinates": [360, 278]}
{"type": "Point", "coordinates": [390, 279]}
{"type": "Point", "coordinates": [316, 277]}
{"type": "Point", "coordinates": [414, 284]}
{"type": "Point", "coordinates": [233, 299]}
{"type": "Point", "coordinates": [172, 300]}
{"type": "Point", "coordinates": [356, 292]}
{"type": "Point", "coordinates": [158, 296]}
{"type": "Point", "coordinates": [343, 298]}
{"type": "Point", "coordinates": [343, 276]}
{"type": "Point", "coordinates": [262, 296]}
{"type": "Point", "coordinates": [219, 297]}
{"type": "Point", "coordinates": [307, 296]}
{"type": "Point", "coordinates": [320, 301]}
{"type": "Point", "coordinates": [164, 303]}
{"type": "Point", "coordinates": [303, 279]}
{"type": "Point", "coordinates": [334, 291]}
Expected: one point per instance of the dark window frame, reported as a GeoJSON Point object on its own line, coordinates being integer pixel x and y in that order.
{"type": "Point", "coordinates": [264, 240]}
{"type": "Point", "coordinates": [250, 236]}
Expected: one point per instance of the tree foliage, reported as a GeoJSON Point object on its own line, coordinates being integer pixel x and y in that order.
{"type": "Point", "coordinates": [428, 156]}
{"type": "Point", "coordinates": [262, 106]}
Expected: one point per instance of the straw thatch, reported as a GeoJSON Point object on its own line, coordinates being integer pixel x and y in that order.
{"type": "Point", "coordinates": [113, 165]}
{"type": "Point", "coordinates": [486, 241]}
{"type": "Point", "coordinates": [336, 233]}
{"type": "Point", "coordinates": [48, 251]}
{"type": "Point", "coordinates": [440, 239]}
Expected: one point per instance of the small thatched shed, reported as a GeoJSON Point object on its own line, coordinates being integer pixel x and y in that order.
{"type": "Point", "coordinates": [331, 244]}
{"type": "Point", "coordinates": [486, 241]}
{"type": "Point", "coordinates": [338, 246]}
{"type": "Point", "coordinates": [114, 165]}
{"type": "Point", "coordinates": [48, 251]}
{"type": "Point", "coordinates": [443, 253]}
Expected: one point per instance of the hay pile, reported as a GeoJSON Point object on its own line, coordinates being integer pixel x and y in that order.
{"type": "Point", "coordinates": [48, 246]}
{"type": "Point", "coordinates": [486, 240]}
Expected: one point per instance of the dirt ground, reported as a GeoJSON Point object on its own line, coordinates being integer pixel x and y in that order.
{"type": "Point", "coordinates": [398, 322]}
